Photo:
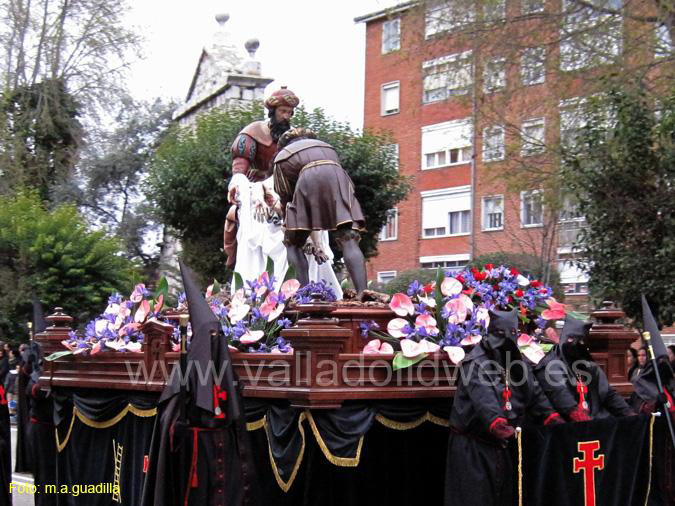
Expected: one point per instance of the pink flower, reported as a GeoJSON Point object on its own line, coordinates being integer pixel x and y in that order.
{"type": "Point", "coordinates": [411, 348]}
{"type": "Point", "coordinates": [238, 312]}
{"type": "Point", "coordinates": [483, 315]}
{"type": "Point", "coordinates": [175, 347]}
{"type": "Point", "coordinates": [142, 312]}
{"type": "Point", "coordinates": [552, 335]}
{"type": "Point", "coordinates": [429, 346]}
{"type": "Point", "coordinates": [68, 345]}
{"type": "Point", "coordinates": [451, 286]}
{"type": "Point", "coordinates": [428, 301]}
{"type": "Point", "coordinates": [428, 322]}
{"type": "Point", "coordinates": [209, 291]}
{"type": "Point", "coordinates": [96, 348]}
{"type": "Point", "coordinates": [471, 340]}
{"type": "Point", "coordinates": [134, 346]}
{"type": "Point", "coordinates": [276, 312]}
{"type": "Point", "coordinates": [116, 345]}
{"type": "Point", "coordinates": [137, 294]}
{"type": "Point", "coordinates": [129, 328]}
{"type": "Point", "coordinates": [556, 310]}
{"type": "Point", "coordinates": [263, 280]}
{"type": "Point", "coordinates": [377, 347]}
{"type": "Point", "coordinates": [457, 310]}
{"type": "Point", "coordinates": [402, 305]}
{"type": "Point", "coordinates": [395, 327]}
{"type": "Point", "coordinates": [455, 353]}
{"type": "Point", "coordinates": [290, 287]}
{"type": "Point", "coordinates": [252, 336]}
{"type": "Point", "coordinates": [159, 304]}
{"type": "Point", "coordinates": [525, 340]}
{"type": "Point", "coordinates": [270, 303]}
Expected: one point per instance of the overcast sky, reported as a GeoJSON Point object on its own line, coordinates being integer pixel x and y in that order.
{"type": "Point", "coordinates": [313, 47]}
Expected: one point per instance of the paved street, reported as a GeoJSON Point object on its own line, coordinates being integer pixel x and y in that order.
{"type": "Point", "coordinates": [20, 499]}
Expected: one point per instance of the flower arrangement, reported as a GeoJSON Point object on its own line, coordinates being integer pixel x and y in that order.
{"type": "Point", "coordinates": [453, 313]}
{"type": "Point", "coordinates": [118, 327]}
{"type": "Point", "coordinates": [253, 319]}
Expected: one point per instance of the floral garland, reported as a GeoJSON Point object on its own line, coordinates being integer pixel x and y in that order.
{"type": "Point", "coordinates": [453, 313]}
{"type": "Point", "coordinates": [118, 327]}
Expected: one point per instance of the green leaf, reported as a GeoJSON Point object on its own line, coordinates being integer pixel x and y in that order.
{"type": "Point", "coordinates": [546, 347]}
{"type": "Point", "coordinates": [162, 288]}
{"type": "Point", "coordinates": [290, 273]}
{"type": "Point", "coordinates": [269, 267]}
{"type": "Point", "coordinates": [58, 354]}
{"type": "Point", "coordinates": [216, 287]}
{"type": "Point", "coordinates": [401, 362]}
{"type": "Point", "coordinates": [576, 315]}
{"type": "Point", "coordinates": [238, 281]}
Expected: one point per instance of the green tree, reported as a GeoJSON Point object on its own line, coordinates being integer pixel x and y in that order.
{"type": "Point", "coordinates": [110, 173]}
{"type": "Point", "coordinates": [191, 169]}
{"type": "Point", "coordinates": [53, 255]}
{"type": "Point", "coordinates": [623, 173]}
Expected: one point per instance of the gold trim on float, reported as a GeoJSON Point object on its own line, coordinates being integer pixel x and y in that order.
{"type": "Point", "coordinates": [145, 413]}
{"type": "Point", "coordinates": [338, 461]}
{"type": "Point", "coordinates": [61, 446]}
{"type": "Point", "coordinates": [286, 485]}
{"type": "Point", "coordinates": [427, 417]}
{"type": "Point", "coordinates": [519, 437]}
{"type": "Point", "coordinates": [130, 408]}
{"type": "Point", "coordinates": [258, 424]}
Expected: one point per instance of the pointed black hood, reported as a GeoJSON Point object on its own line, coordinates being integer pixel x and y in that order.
{"type": "Point", "coordinates": [650, 326]}
{"type": "Point", "coordinates": [573, 340]}
{"type": "Point", "coordinates": [502, 330]}
{"type": "Point", "coordinates": [39, 322]}
{"type": "Point", "coordinates": [209, 367]}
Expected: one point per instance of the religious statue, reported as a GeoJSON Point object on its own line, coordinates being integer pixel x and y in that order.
{"type": "Point", "coordinates": [316, 194]}
{"type": "Point", "coordinates": [253, 230]}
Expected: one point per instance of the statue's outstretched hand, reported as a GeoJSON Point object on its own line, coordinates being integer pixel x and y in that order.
{"type": "Point", "coordinates": [233, 195]}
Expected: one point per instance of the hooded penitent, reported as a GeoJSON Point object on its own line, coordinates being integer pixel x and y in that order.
{"type": "Point", "coordinates": [576, 386]}
{"type": "Point", "coordinates": [646, 383]}
{"type": "Point", "coordinates": [203, 457]}
{"type": "Point", "coordinates": [495, 394]}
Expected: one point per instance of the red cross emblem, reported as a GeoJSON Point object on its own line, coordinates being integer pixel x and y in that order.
{"type": "Point", "coordinates": [218, 395]}
{"type": "Point", "coordinates": [588, 465]}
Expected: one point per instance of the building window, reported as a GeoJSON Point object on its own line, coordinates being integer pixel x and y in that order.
{"type": "Point", "coordinates": [493, 213]}
{"type": "Point", "coordinates": [590, 36]}
{"type": "Point", "coordinates": [447, 76]}
{"type": "Point", "coordinates": [571, 224]}
{"type": "Point", "coordinates": [493, 144]}
{"type": "Point", "coordinates": [394, 153]}
{"type": "Point", "coordinates": [446, 212]}
{"type": "Point", "coordinates": [390, 98]}
{"type": "Point", "coordinates": [532, 6]}
{"type": "Point", "coordinates": [533, 65]}
{"type": "Point", "coordinates": [389, 231]}
{"type": "Point", "coordinates": [447, 143]}
{"type": "Point", "coordinates": [391, 35]}
{"type": "Point", "coordinates": [531, 209]}
{"type": "Point", "coordinates": [664, 43]}
{"type": "Point", "coordinates": [458, 261]}
{"type": "Point", "coordinates": [385, 277]}
{"type": "Point", "coordinates": [494, 75]}
{"type": "Point", "coordinates": [533, 134]}
{"type": "Point", "coordinates": [494, 10]}
{"type": "Point", "coordinates": [575, 288]}
{"type": "Point", "coordinates": [441, 16]}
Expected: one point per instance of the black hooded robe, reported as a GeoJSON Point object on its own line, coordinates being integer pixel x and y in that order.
{"type": "Point", "coordinates": [559, 382]}
{"type": "Point", "coordinates": [479, 465]}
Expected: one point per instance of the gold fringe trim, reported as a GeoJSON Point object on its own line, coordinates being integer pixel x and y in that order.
{"type": "Point", "coordinates": [130, 408]}
{"type": "Point", "coordinates": [258, 424]}
{"type": "Point", "coordinates": [651, 448]}
{"type": "Point", "coordinates": [60, 446]}
{"type": "Point", "coordinates": [427, 417]}
{"type": "Point", "coordinates": [338, 461]}
{"type": "Point", "coordinates": [286, 485]}
{"type": "Point", "coordinates": [116, 419]}
{"type": "Point", "coordinates": [519, 437]}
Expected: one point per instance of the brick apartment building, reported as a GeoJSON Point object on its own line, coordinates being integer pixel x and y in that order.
{"type": "Point", "coordinates": [438, 92]}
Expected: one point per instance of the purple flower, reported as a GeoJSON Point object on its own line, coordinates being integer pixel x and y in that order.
{"type": "Point", "coordinates": [366, 327]}
{"type": "Point", "coordinates": [115, 298]}
{"type": "Point", "coordinates": [283, 323]}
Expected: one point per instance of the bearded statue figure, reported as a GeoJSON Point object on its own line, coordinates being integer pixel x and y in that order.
{"type": "Point", "coordinates": [253, 230]}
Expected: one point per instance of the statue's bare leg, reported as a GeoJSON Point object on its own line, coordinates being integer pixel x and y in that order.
{"type": "Point", "coordinates": [353, 256]}
{"type": "Point", "coordinates": [294, 242]}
